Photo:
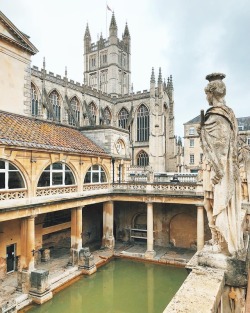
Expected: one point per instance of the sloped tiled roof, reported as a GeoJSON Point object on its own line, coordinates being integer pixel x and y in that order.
{"type": "Point", "coordinates": [21, 131]}
{"type": "Point", "coordinates": [195, 120]}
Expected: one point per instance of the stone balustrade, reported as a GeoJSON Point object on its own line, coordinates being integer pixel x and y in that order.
{"type": "Point", "coordinates": [13, 194]}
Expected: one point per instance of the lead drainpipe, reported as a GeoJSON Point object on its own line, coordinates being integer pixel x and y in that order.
{"type": "Point", "coordinates": [113, 169]}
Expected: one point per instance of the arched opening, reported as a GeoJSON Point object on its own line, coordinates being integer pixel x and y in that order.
{"type": "Point", "coordinates": [142, 158]}
{"type": "Point", "coordinates": [142, 123]}
{"type": "Point", "coordinates": [10, 176]}
{"type": "Point", "coordinates": [183, 231]}
{"type": "Point", "coordinates": [123, 118]}
{"type": "Point", "coordinates": [95, 174]}
{"type": "Point", "coordinates": [56, 174]}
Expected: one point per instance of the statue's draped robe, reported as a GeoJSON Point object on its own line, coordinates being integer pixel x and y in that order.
{"type": "Point", "coordinates": [219, 143]}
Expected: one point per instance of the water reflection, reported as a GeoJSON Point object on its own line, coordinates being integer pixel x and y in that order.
{"type": "Point", "coordinates": [121, 286]}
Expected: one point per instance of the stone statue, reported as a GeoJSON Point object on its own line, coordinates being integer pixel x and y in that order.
{"type": "Point", "coordinates": [244, 161]}
{"type": "Point", "coordinates": [221, 181]}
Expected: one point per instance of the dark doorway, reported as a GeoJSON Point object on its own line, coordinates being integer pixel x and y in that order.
{"type": "Point", "coordinates": [10, 254]}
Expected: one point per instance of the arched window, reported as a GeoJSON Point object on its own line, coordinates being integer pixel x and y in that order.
{"type": "Point", "coordinates": [56, 174]}
{"type": "Point", "coordinates": [34, 101]}
{"type": "Point", "coordinates": [123, 118]}
{"type": "Point", "coordinates": [107, 116]}
{"type": "Point", "coordinates": [92, 109]}
{"type": "Point", "coordinates": [54, 99]}
{"type": "Point", "coordinates": [95, 174]}
{"type": "Point", "coordinates": [142, 158]}
{"type": "Point", "coordinates": [142, 123]}
{"type": "Point", "coordinates": [76, 109]}
{"type": "Point", "coordinates": [10, 176]}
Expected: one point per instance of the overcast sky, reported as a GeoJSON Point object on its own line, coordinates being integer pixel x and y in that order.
{"type": "Point", "coordinates": [186, 38]}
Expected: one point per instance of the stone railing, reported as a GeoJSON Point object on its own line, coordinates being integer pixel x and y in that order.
{"type": "Point", "coordinates": [13, 194]}
{"type": "Point", "coordinates": [160, 188]}
{"type": "Point", "coordinates": [92, 187]}
{"type": "Point", "coordinates": [48, 191]}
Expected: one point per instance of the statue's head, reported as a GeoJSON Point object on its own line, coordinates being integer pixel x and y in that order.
{"type": "Point", "coordinates": [215, 89]}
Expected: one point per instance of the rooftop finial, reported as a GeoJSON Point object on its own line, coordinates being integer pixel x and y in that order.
{"type": "Point", "coordinates": [113, 21]}
{"type": "Point", "coordinates": [152, 79]}
{"type": "Point", "coordinates": [66, 71]}
{"type": "Point", "coordinates": [87, 32]}
{"type": "Point", "coordinates": [44, 63]}
{"type": "Point", "coordinates": [159, 77]}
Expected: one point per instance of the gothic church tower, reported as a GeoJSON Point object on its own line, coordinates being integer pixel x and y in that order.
{"type": "Point", "coordinates": [107, 62]}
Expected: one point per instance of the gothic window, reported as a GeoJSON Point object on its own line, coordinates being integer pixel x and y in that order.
{"type": "Point", "coordinates": [92, 109]}
{"type": "Point", "coordinates": [10, 176]}
{"type": "Point", "coordinates": [56, 174]}
{"type": "Point", "coordinates": [191, 159]}
{"type": "Point", "coordinates": [123, 118]}
{"type": "Point", "coordinates": [95, 174]}
{"type": "Point", "coordinates": [142, 158]}
{"type": "Point", "coordinates": [142, 123]}
{"type": "Point", "coordinates": [107, 116]}
{"type": "Point", "coordinates": [56, 106]}
{"type": "Point", "coordinates": [76, 109]}
{"type": "Point", "coordinates": [34, 101]}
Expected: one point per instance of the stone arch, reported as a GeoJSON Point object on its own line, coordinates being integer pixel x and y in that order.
{"type": "Point", "coordinates": [183, 230]}
{"type": "Point", "coordinates": [139, 220]}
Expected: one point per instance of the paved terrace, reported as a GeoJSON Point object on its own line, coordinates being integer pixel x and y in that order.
{"type": "Point", "coordinates": [60, 274]}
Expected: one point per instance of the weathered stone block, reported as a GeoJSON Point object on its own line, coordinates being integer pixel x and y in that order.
{"type": "Point", "coordinates": [23, 281]}
{"type": "Point", "coordinates": [8, 307]}
{"type": "Point", "coordinates": [3, 268]}
{"type": "Point", "coordinates": [45, 257]}
{"type": "Point", "coordinates": [39, 281]}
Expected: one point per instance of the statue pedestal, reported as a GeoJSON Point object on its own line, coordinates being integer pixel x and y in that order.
{"type": "Point", "coordinates": [86, 262]}
{"type": "Point", "coordinates": [39, 286]}
{"type": "Point", "coordinates": [235, 268]}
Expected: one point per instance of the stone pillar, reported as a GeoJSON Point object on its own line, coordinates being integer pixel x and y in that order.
{"type": "Point", "coordinates": [108, 239]}
{"type": "Point", "coordinates": [76, 228]}
{"type": "Point", "coordinates": [27, 260]}
{"type": "Point", "coordinates": [200, 228]}
{"type": "Point", "coordinates": [150, 253]}
{"type": "Point", "coordinates": [27, 243]}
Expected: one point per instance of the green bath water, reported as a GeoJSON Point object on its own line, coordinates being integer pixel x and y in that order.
{"type": "Point", "coordinates": [121, 286]}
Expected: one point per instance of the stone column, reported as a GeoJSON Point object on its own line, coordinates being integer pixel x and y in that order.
{"type": "Point", "coordinates": [27, 243]}
{"type": "Point", "coordinates": [200, 228]}
{"type": "Point", "coordinates": [150, 253]}
{"type": "Point", "coordinates": [27, 260]}
{"type": "Point", "coordinates": [76, 228]}
{"type": "Point", "coordinates": [108, 239]}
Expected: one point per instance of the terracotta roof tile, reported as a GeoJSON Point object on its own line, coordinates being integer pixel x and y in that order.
{"type": "Point", "coordinates": [28, 132]}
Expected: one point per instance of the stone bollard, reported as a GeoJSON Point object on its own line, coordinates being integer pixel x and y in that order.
{"type": "Point", "coordinates": [39, 286]}
{"type": "Point", "coordinates": [86, 261]}
{"type": "Point", "coordinates": [8, 307]}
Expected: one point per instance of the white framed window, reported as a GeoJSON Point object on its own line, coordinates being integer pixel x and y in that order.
{"type": "Point", "coordinates": [10, 176]}
{"type": "Point", "coordinates": [56, 174]}
{"type": "Point", "coordinates": [240, 127]}
{"type": "Point", "coordinates": [191, 143]}
{"type": "Point", "coordinates": [95, 175]}
{"type": "Point", "coordinates": [191, 131]}
{"type": "Point", "coordinates": [191, 159]}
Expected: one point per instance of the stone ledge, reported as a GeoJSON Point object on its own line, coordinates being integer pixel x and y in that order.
{"type": "Point", "coordinates": [201, 290]}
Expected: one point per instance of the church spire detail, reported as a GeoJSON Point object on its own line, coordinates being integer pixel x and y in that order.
{"type": "Point", "coordinates": [152, 79]}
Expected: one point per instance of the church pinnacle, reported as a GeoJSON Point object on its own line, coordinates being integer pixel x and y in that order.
{"type": "Point", "coordinates": [159, 77]}
{"type": "Point", "coordinates": [87, 32]}
{"type": "Point", "coordinates": [113, 22]}
{"type": "Point", "coordinates": [152, 79]}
